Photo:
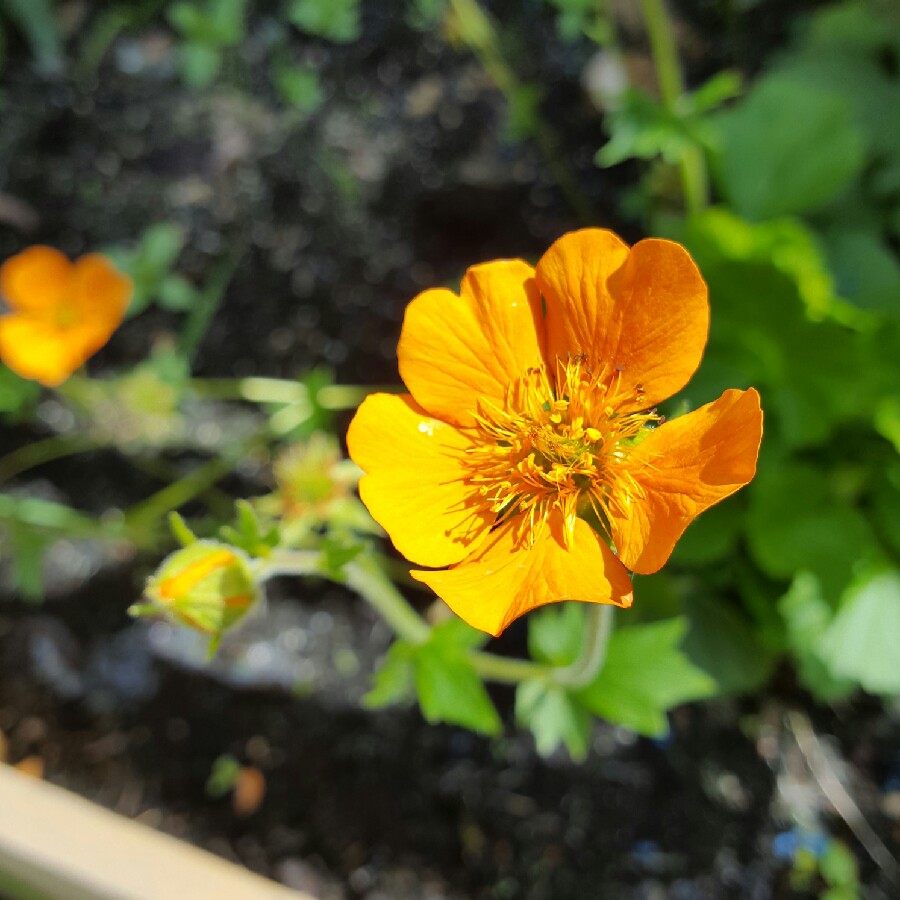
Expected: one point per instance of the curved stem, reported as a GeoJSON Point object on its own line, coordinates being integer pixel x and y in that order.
{"type": "Point", "coordinates": [598, 628]}
{"type": "Point", "coordinates": [366, 576]}
{"type": "Point", "coordinates": [504, 669]}
{"type": "Point", "coordinates": [154, 508]}
{"type": "Point", "coordinates": [671, 86]}
{"type": "Point", "coordinates": [369, 580]}
{"type": "Point", "coordinates": [43, 451]}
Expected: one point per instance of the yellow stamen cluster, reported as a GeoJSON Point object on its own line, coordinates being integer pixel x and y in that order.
{"type": "Point", "coordinates": [558, 443]}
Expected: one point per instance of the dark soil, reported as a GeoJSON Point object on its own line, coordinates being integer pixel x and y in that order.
{"type": "Point", "coordinates": [400, 180]}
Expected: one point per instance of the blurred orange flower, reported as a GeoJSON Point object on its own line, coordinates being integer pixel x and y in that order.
{"type": "Point", "coordinates": [529, 444]}
{"type": "Point", "coordinates": [61, 312]}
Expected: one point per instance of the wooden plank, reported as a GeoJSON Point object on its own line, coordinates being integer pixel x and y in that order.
{"type": "Point", "coordinates": [57, 845]}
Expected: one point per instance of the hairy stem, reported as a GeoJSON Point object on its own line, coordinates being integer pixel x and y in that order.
{"type": "Point", "coordinates": [366, 576]}
{"type": "Point", "coordinates": [504, 669]}
{"type": "Point", "coordinates": [694, 180]}
{"type": "Point", "coordinates": [598, 628]}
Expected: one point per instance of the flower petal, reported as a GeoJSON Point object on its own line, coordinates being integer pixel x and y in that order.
{"type": "Point", "coordinates": [100, 293]}
{"type": "Point", "coordinates": [36, 279]}
{"type": "Point", "coordinates": [456, 349]}
{"type": "Point", "coordinates": [506, 579]}
{"type": "Point", "coordinates": [684, 467]}
{"type": "Point", "coordinates": [36, 349]}
{"type": "Point", "coordinates": [642, 314]}
{"type": "Point", "coordinates": [414, 484]}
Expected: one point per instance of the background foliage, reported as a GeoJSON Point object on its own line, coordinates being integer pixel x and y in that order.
{"type": "Point", "coordinates": [782, 179]}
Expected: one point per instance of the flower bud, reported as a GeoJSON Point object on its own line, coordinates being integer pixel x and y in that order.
{"type": "Point", "coordinates": [207, 586]}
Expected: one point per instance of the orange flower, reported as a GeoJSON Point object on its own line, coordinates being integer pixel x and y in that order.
{"type": "Point", "coordinates": [526, 446]}
{"type": "Point", "coordinates": [61, 312]}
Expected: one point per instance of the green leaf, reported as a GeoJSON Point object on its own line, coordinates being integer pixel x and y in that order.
{"type": "Point", "coordinates": [447, 686]}
{"type": "Point", "coordinates": [337, 551]}
{"type": "Point", "coordinates": [186, 18]}
{"type": "Point", "coordinates": [149, 263]}
{"type": "Point", "coordinates": [555, 718]}
{"type": "Point", "coordinates": [450, 690]}
{"type": "Point", "coordinates": [787, 148]}
{"type": "Point", "coordinates": [807, 616]}
{"type": "Point", "coordinates": [867, 270]}
{"type": "Point", "coordinates": [843, 52]}
{"type": "Point", "coordinates": [454, 635]}
{"type": "Point", "coordinates": [523, 111]}
{"type": "Point", "coordinates": [176, 294]}
{"type": "Point", "coordinates": [16, 393]}
{"type": "Point", "coordinates": [216, 23]}
{"type": "Point", "coordinates": [425, 15]}
{"type": "Point", "coordinates": [862, 642]}
{"type": "Point", "coordinates": [786, 244]}
{"type": "Point", "coordinates": [722, 644]}
{"type": "Point", "coordinates": [794, 523]}
{"type": "Point", "coordinates": [887, 419]}
{"type": "Point", "coordinates": [839, 868]}
{"type": "Point", "coordinates": [250, 533]}
{"type": "Point", "coordinates": [45, 514]}
{"type": "Point", "coordinates": [646, 674]}
{"type": "Point", "coordinates": [394, 680]}
{"type": "Point", "coordinates": [583, 17]}
{"type": "Point", "coordinates": [710, 537]}
{"type": "Point", "coordinates": [768, 284]}
{"type": "Point", "coordinates": [200, 64]}
{"type": "Point", "coordinates": [180, 530]}
{"type": "Point", "coordinates": [300, 86]}
{"type": "Point", "coordinates": [556, 633]}
{"type": "Point", "coordinates": [642, 127]}
{"type": "Point", "coordinates": [29, 547]}
{"type": "Point", "coordinates": [159, 249]}
{"type": "Point", "coordinates": [37, 21]}
{"type": "Point", "coordinates": [886, 505]}
{"type": "Point", "coordinates": [335, 20]}
{"type": "Point", "coordinates": [223, 775]}
{"type": "Point", "coordinates": [713, 93]}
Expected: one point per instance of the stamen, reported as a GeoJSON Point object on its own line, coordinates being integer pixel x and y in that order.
{"type": "Point", "coordinates": [558, 443]}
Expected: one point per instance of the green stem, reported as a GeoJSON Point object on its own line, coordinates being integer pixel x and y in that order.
{"type": "Point", "coordinates": [154, 508]}
{"type": "Point", "coordinates": [692, 167]}
{"type": "Point", "coordinates": [205, 306]}
{"type": "Point", "coordinates": [253, 389]}
{"type": "Point", "coordinates": [289, 562]}
{"type": "Point", "coordinates": [366, 576]}
{"type": "Point", "coordinates": [43, 451]}
{"type": "Point", "coordinates": [506, 670]}
{"type": "Point", "coordinates": [349, 396]}
{"type": "Point", "coordinates": [598, 628]}
{"type": "Point", "coordinates": [220, 503]}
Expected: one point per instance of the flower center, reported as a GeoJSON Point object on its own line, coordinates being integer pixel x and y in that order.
{"type": "Point", "coordinates": [560, 442]}
{"type": "Point", "coordinates": [66, 315]}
